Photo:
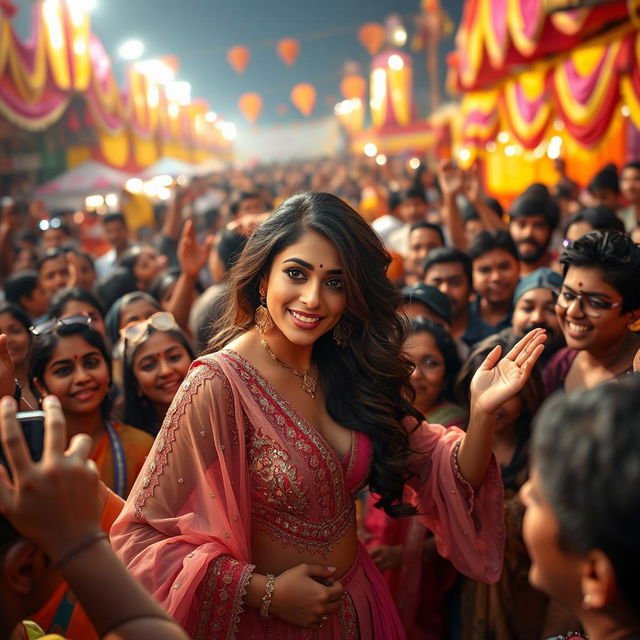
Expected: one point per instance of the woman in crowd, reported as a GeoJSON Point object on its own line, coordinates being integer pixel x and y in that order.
{"type": "Point", "coordinates": [144, 263]}
{"type": "Point", "coordinates": [243, 521]}
{"type": "Point", "coordinates": [15, 324]}
{"type": "Point", "coordinates": [69, 359]}
{"type": "Point", "coordinates": [132, 307]}
{"type": "Point", "coordinates": [77, 301]}
{"type": "Point", "coordinates": [417, 576]}
{"type": "Point", "coordinates": [510, 608]}
{"type": "Point", "coordinates": [591, 219]}
{"type": "Point", "coordinates": [53, 271]}
{"type": "Point", "coordinates": [597, 304]}
{"type": "Point", "coordinates": [157, 356]}
{"type": "Point", "coordinates": [583, 507]}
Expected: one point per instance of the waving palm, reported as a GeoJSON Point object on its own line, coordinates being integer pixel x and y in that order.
{"type": "Point", "coordinates": [497, 380]}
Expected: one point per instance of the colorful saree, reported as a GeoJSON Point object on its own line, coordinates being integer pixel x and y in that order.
{"type": "Point", "coordinates": [233, 456]}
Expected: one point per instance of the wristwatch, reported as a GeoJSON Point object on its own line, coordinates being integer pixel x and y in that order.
{"type": "Point", "coordinates": [17, 394]}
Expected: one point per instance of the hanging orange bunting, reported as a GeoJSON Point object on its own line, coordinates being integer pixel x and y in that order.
{"type": "Point", "coordinates": [288, 50]}
{"type": "Point", "coordinates": [303, 96]}
{"type": "Point", "coordinates": [238, 57]}
{"type": "Point", "coordinates": [371, 36]}
{"type": "Point", "coordinates": [353, 86]}
{"type": "Point", "coordinates": [250, 105]}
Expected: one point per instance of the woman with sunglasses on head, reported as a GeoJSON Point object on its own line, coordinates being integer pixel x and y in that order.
{"type": "Point", "coordinates": [243, 521]}
{"type": "Point", "coordinates": [157, 356]}
{"type": "Point", "coordinates": [597, 304]}
{"type": "Point", "coordinates": [68, 359]}
{"type": "Point", "coordinates": [76, 302]}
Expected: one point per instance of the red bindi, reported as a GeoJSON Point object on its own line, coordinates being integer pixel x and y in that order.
{"type": "Point", "coordinates": [321, 266]}
{"type": "Point", "coordinates": [579, 284]}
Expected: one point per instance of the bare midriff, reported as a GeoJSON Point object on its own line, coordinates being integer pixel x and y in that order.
{"type": "Point", "coordinates": [271, 556]}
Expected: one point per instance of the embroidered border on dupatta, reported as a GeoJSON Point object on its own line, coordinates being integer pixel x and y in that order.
{"type": "Point", "coordinates": [167, 434]}
{"type": "Point", "coordinates": [336, 506]}
{"type": "Point", "coordinates": [232, 586]}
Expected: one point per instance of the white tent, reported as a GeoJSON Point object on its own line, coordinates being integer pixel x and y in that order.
{"type": "Point", "coordinates": [68, 190]}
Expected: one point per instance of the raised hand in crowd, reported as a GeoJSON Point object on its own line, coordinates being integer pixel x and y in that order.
{"type": "Point", "coordinates": [55, 505]}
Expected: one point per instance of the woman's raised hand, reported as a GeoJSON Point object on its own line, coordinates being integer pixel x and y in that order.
{"type": "Point", "coordinates": [192, 255]}
{"type": "Point", "coordinates": [303, 601]}
{"type": "Point", "coordinates": [498, 380]}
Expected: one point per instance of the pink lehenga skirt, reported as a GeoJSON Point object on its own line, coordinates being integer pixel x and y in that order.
{"type": "Point", "coordinates": [367, 612]}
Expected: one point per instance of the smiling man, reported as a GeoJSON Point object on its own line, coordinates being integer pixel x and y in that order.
{"type": "Point", "coordinates": [533, 217]}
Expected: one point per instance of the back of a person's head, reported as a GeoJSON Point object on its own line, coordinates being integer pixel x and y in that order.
{"type": "Point", "coordinates": [606, 178]}
{"type": "Point", "coordinates": [20, 284]}
{"type": "Point", "coordinates": [615, 256]}
{"type": "Point", "coordinates": [229, 247]}
{"type": "Point", "coordinates": [119, 282]}
{"type": "Point", "coordinates": [533, 203]}
{"type": "Point", "coordinates": [445, 255]}
{"type": "Point", "coordinates": [491, 240]}
{"type": "Point", "coordinates": [586, 448]}
{"type": "Point", "coordinates": [599, 217]}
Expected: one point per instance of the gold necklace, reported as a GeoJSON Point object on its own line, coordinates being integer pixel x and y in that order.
{"type": "Point", "coordinates": [309, 382]}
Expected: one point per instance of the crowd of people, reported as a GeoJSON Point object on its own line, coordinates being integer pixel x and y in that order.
{"type": "Point", "coordinates": [324, 400]}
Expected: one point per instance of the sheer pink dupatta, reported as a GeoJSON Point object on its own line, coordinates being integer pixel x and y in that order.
{"type": "Point", "coordinates": [184, 532]}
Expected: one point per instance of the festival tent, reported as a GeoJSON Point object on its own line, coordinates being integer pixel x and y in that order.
{"type": "Point", "coordinates": [536, 86]}
{"type": "Point", "coordinates": [68, 190]}
{"type": "Point", "coordinates": [168, 167]}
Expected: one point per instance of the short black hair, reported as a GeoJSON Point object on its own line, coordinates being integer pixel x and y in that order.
{"type": "Point", "coordinates": [634, 164]}
{"type": "Point", "coordinates": [116, 216]}
{"type": "Point", "coordinates": [586, 447]}
{"type": "Point", "coordinates": [423, 224]}
{"type": "Point", "coordinates": [444, 255]}
{"type": "Point", "coordinates": [229, 247]}
{"type": "Point", "coordinates": [237, 198]}
{"type": "Point", "coordinates": [487, 241]}
{"type": "Point", "coordinates": [606, 178]}
{"type": "Point", "coordinates": [51, 254]}
{"type": "Point", "coordinates": [529, 205]}
{"type": "Point", "coordinates": [599, 217]}
{"type": "Point", "coordinates": [61, 298]}
{"type": "Point", "coordinates": [20, 284]}
{"type": "Point", "coordinates": [414, 191]}
{"type": "Point", "coordinates": [615, 256]}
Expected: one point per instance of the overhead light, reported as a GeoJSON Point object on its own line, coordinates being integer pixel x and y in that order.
{"type": "Point", "coordinates": [131, 50]}
{"type": "Point", "coordinates": [370, 150]}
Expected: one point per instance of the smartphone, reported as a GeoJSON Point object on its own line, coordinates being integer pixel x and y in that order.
{"type": "Point", "coordinates": [32, 423]}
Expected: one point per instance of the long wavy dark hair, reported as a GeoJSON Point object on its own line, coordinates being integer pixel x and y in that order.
{"type": "Point", "coordinates": [367, 383]}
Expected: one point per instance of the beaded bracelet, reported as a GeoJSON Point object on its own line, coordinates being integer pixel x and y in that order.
{"type": "Point", "coordinates": [81, 546]}
{"type": "Point", "coordinates": [266, 598]}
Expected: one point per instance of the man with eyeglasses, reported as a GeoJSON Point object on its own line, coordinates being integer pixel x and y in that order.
{"type": "Point", "coordinates": [597, 304]}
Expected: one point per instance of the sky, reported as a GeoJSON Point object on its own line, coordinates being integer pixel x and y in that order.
{"type": "Point", "coordinates": [199, 33]}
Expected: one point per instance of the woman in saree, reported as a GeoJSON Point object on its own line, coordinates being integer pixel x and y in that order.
{"type": "Point", "coordinates": [243, 522]}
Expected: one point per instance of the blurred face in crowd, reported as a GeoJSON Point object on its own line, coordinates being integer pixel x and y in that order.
{"type": "Point", "coordinates": [412, 210]}
{"type": "Point", "coordinates": [495, 275]}
{"type": "Point", "coordinates": [576, 230]}
{"type": "Point", "coordinates": [160, 365]}
{"type": "Point", "coordinates": [472, 228]}
{"type": "Point", "coordinates": [117, 235]}
{"type": "Point", "coordinates": [531, 235]}
{"type": "Point", "coordinates": [451, 279]}
{"type": "Point", "coordinates": [36, 303]}
{"type": "Point", "coordinates": [54, 275]}
{"type": "Point", "coordinates": [24, 259]}
{"type": "Point", "coordinates": [606, 198]}
{"type": "Point", "coordinates": [82, 308]}
{"type": "Point", "coordinates": [53, 238]}
{"type": "Point", "coordinates": [428, 377]}
{"type": "Point", "coordinates": [553, 570]}
{"type": "Point", "coordinates": [581, 329]}
{"type": "Point", "coordinates": [630, 185]}
{"type": "Point", "coordinates": [421, 241]}
{"type": "Point", "coordinates": [534, 309]}
{"type": "Point", "coordinates": [136, 311]}
{"type": "Point", "coordinates": [635, 235]}
{"type": "Point", "coordinates": [86, 277]}
{"type": "Point", "coordinates": [17, 338]}
{"type": "Point", "coordinates": [148, 265]}
{"type": "Point", "coordinates": [250, 206]}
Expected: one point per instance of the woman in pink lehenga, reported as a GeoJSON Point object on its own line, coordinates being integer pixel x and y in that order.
{"type": "Point", "coordinates": [243, 522]}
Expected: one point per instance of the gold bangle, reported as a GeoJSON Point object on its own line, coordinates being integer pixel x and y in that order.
{"type": "Point", "coordinates": [266, 598]}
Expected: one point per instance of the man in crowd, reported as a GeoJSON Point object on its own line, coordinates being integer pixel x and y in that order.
{"type": "Point", "coordinates": [412, 208]}
{"type": "Point", "coordinates": [630, 188]}
{"type": "Point", "coordinates": [533, 218]}
{"type": "Point", "coordinates": [24, 289]}
{"type": "Point", "coordinates": [117, 233]}
{"type": "Point", "coordinates": [423, 238]}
